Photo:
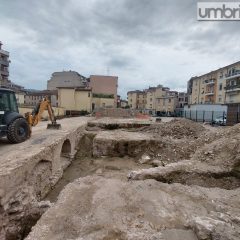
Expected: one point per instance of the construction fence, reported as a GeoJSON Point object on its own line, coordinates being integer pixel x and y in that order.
{"type": "Point", "coordinates": [219, 117]}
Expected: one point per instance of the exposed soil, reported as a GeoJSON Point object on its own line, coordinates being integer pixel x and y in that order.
{"type": "Point", "coordinates": [107, 167]}
{"type": "Point", "coordinates": [177, 128]}
{"type": "Point", "coordinates": [196, 195]}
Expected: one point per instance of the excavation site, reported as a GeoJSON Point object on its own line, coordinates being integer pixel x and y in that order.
{"type": "Point", "coordinates": [122, 179]}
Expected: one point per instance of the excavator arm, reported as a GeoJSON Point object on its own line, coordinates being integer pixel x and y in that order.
{"type": "Point", "coordinates": [36, 115]}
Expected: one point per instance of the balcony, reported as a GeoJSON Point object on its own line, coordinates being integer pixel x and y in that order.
{"type": "Point", "coordinates": [210, 82]}
{"type": "Point", "coordinates": [232, 88]}
{"type": "Point", "coordinates": [4, 72]}
{"type": "Point", "coordinates": [232, 75]}
{"type": "Point", "coordinates": [209, 93]}
{"type": "Point", "coordinates": [4, 62]}
{"type": "Point", "coordinates": [4, 52]}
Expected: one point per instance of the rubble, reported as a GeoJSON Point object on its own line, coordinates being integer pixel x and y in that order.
{"type": "Point", "coordinates": [177, 128]}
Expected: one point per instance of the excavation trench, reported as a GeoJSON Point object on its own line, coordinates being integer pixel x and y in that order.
{"type": "Point", "coordinates": [115, 160]}
{"type": "Point", "coordinates": [85, 164]}
{"type": "Point", "coordinates": [109, 156]}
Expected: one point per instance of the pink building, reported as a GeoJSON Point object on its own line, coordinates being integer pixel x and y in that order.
{"type": "Point", "coordinates": [106, 85]}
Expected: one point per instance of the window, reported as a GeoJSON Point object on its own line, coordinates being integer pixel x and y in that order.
{"type": "Point", "coordinates": [220, 99]}
{"type": "Point", "coordinates": [150, 99]}
{"type": "Point", "coordinates": [169, 100]}
{"type": "Point", "coordinates": [220, 87]}
{"type": "Point", "coordinates": [233, 82]}
{"type": "Point", "coordinates": [164, 102]}
{"type": "Point", "coordinates": [8, 102]}
{"type": "Point", "coordinates": [89, 94]}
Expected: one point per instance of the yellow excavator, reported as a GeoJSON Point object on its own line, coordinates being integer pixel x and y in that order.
{"type": "Point", "coordinates": [16, 127]}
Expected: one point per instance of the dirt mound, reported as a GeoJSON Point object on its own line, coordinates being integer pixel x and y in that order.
{"type": "Point", "coordinates": [223, 151]}
{"type": "Point", "coordinates": [177, 128]}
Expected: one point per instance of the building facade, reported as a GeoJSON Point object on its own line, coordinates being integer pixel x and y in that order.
{"type": "Point", "coordinates": [104, 85]}
{"type": "Point", "coordinates": [75, 99]}
{"type": "Point", "coordinates": [167, 103]}
{"type": "Point", "coordinates": [4, 65]}
{"type": "Point", "coordinates": [33, 98]}
{"type": "Point", "coordinates": [182, 100]}
{"type": "Point", "coordinates": [67, 79]}
{"type": "Point", "coordinates": [220, 86]}
{"type": "Point", "coordinates": [154, 100]}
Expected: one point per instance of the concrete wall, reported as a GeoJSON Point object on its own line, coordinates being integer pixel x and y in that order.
{"type": "Point", "coordinates": [103, 102]}
{"type": "Point", "coordinates": [104, 85]}
{"type": "Point", "coordinates": [75, 100]}
{"type": "Point", "coordinates": [83, 100]}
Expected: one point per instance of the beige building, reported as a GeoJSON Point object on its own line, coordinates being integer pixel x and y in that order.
{"type": "Point", "coordinates": [167, 103]}
{"type": "Point", "coordinates": [153, 100]}
{"type": "Point", "coordinates": [66, 79]}
{"type": "Point", "coordinates": [20, 97]}
{"type": "Point", "coordinates": [137, 99]}
{"type": "Point", "coordinates": [75, 99]}
{"type": "Point", "coordinates": [33, 98]}
{"type": "Point", "coordinates": [217, 87]}
{"type": "Point", "coordinates": [104, 85]}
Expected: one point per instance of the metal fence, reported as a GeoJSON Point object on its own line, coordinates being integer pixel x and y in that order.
{"type": "Point", "coordinates": [203, 116]}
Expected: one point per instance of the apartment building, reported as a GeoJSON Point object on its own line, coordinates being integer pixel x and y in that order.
{"type": "Point", "coordinates": [67, 79]}
{"type": "Point", "coordinates": [4, 64]}
{"type": "Point", "coordinates": [32, 98]}
{"type": "Point", "coordinates": [221, 86]}
{"type": "Point", "coordinates": [167, 102]}
{"type": "Point", "coordinates": [182, 100]}
{"type": "Point", "coordinates": [154, 100]}
{"type": "Point", "coordinates": [137, 99]}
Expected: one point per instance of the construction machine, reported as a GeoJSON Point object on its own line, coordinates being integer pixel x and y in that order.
{"type": "Point", "coordinates": [18, 128]}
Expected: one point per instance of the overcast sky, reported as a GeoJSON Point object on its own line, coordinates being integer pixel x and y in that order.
{"type": "Point", "coordinates": [143, 42]}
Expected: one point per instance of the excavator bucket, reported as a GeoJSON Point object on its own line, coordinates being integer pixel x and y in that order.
{"type": "Point", "coordinates": [56, 126]}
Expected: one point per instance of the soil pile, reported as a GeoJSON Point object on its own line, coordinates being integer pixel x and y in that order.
{"type": "Point", "coordinates": [177, 128]}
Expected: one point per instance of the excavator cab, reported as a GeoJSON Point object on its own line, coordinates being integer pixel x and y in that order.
{"type": "Point", "coordinates": [12, 124]}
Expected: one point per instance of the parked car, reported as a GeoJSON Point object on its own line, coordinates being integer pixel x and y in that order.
{"type": "Point", "coordinates": [221, 120]}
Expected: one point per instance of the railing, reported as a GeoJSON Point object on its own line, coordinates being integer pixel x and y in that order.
{"type": "Point", "coordinates": [233, 75]}
{"type": "Point", "coordinates": [210, 81]}
{"type": "Point", "coordinates": [232, 88]}
{"type": "Point", "coordinates": [4, 62]}
{"type": "Point", "coordinates": [4, 72]}
{"type": "Point", "coordinates": [209, 93]}
{"type": "Point", "coordinates": [4, 52]}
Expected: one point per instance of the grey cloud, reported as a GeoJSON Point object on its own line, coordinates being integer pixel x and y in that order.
{"type": "Point", "coordinates": [138, 39]}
